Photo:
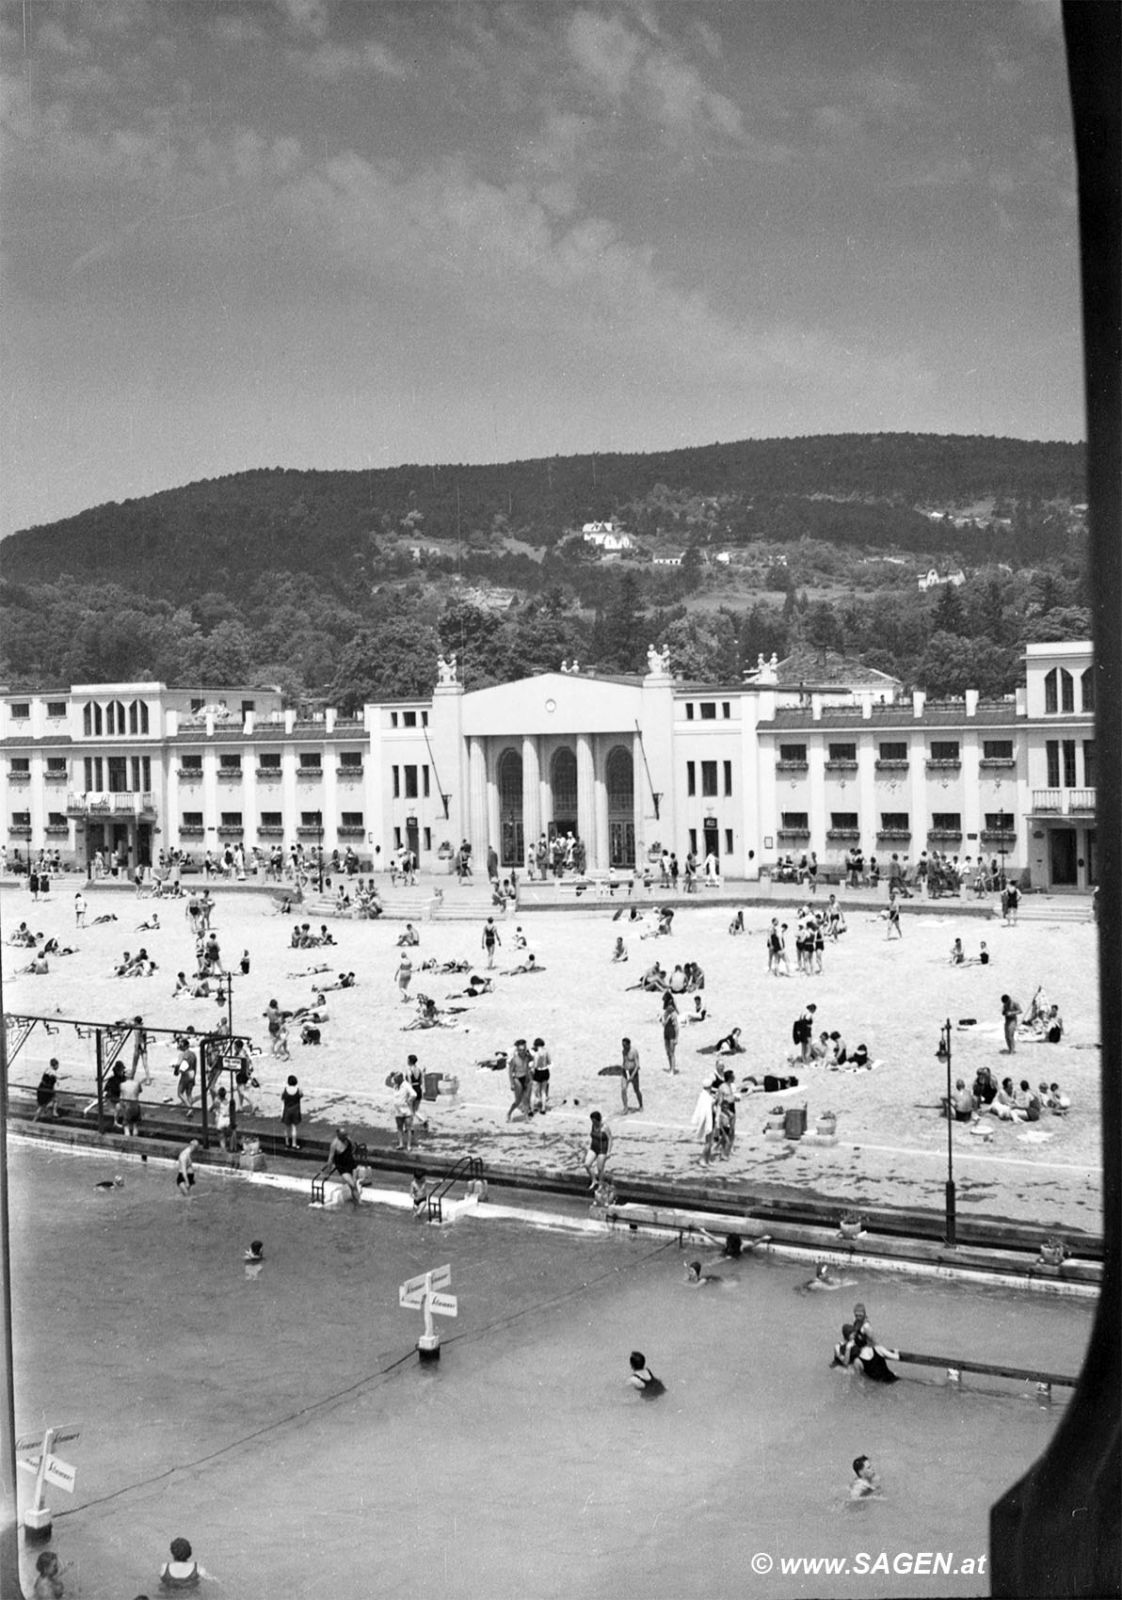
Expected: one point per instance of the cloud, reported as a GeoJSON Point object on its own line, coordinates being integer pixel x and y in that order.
{"type": "Point", "coordinates": [332, 62]}
{"type": "Point", "coordinates": [305, 16]}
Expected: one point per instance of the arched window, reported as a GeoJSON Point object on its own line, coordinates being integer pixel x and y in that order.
{"type": "Point", "coordinates": [563, 782]}
{"type": "Point", "coordinates": [620, 775]}
{"type": "Point", "coordinates": [1067, 690]}
{"type": "Point", "coordinates": [512, 843]}
{"type": "Point", "coordinates": [1087, 689]}
{"type": "Point", "coordinates": [1051, 701]}
{"type": "Point", "coordinates": [87, 719]}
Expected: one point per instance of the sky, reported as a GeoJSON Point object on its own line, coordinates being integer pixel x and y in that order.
{"type": "Point", "coordinates": [349, 235]}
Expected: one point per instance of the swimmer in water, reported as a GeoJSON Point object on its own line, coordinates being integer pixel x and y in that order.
{"type": "Point", "coordinates": [116, 1182]}
{"type": "Point", "coordinates": [826, 1278]}
{"type": "Point", "coordinates": [697, 1277]}
{"type": "Point", "coordinates": [256, 1251]}
{"type": "Point", "coordinates": [642, 1378]}
{"type": "Point", "coordinates": [865, 1480]}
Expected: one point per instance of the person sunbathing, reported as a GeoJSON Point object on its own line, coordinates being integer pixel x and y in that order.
{"type": "Point", "coordinates": [529, 965]}
{"type": "Point", "coordinates": [345, 980]}
{"type": "Point", "coordinates": [653, 980]}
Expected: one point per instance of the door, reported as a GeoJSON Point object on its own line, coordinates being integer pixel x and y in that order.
{"type": "Point", "coordinates": [1092, 858]}
{"type": "Point", "coordinates": [1064, 871]}
{"type": "Point", "coordinates": [513, 845]}
{"type": "Point", "coordinates": [621, 844]}
{"type": "Point", "coordinates": [144, 845]}
{"type": "Point", "coordinates": [413, 839]}
{"type": "Point", "coordinates": [713, 842]}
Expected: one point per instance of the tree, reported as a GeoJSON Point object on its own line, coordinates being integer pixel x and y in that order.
{"type": "Point", "coordinates": [392, 662]}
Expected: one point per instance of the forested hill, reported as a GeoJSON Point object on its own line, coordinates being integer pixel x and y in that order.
{"type": "Point", "coordinates": [871, 489]}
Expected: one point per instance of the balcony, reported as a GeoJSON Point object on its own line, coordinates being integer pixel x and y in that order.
{"type": "Point", "coordinates": [270, 830]}
{"type": "Point", "coordinates": [268, 774]}
{"type": "Point", "coordinates": [19, 830]}
{"type": "Point", "coordinates": [1002, 838]}
{"type": "Point", "coordinates": [792, 766]}
{"type": "Point", "coordinates": [229, 774]}
{"type": "Point", "coordinates": [994, 763]}
{"type": "Point", "coordinates": [56, 775]}
{"type": "Point", "coordinates": [350, 831]}
{"type": "Point", "coordinates": [944, 766]}
{"type": "Point", "coordinates": [19, 777]}
{"type": "Point", "coordinates": [348, 772]}
{"type": "Point", "coordinates": [893, 835]}
{"type": "Point", "coordinates": [189, 774]}
{"type": "Point", "coordinates": [894, 764]}
{"type": "Point", "coordinates": [309, 772]}
{"type": "Point", "coordinates": [843, 835]}
{"type": "Point", "coordinates": [191, 830]}
{"type": "Point", "coordinates": [841, 764]}
{"type": "Point", "coordinates": [230, 830]}
{"type": "Point", "coordinates": [60, 830]}
{"type": "Point", "coordinates": [309, 831]}
{"type": "Point", "coordinates": [944, 835]}
{"type": "Point", "coordinates": [128, 803]}
{"type": "Point", "coordinates": [793, 835]}
{"type": "Point", "coordinates": [1063, 802]}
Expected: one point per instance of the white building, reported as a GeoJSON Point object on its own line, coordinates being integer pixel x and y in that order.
{"type": "Point", "coordinates": [806, 754]}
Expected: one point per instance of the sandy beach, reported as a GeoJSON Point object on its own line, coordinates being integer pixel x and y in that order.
{"type": "Point", "coordinates": [893, 995]}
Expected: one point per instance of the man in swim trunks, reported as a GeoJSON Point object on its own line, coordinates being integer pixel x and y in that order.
{"type": "Point", "coordinates": [185, 1168]}
{"type": "Point", "coordinates": [341, 1161]}
{"type": "Point", "coordinates": [865, 1479]}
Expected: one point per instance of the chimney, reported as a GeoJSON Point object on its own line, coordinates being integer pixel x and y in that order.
{"type": "Point", "coordinates": [289, 719]}
{"type": "Point", "coordinates": [866, 707]}
{"type": "Point", "coordinates": [1020, 701]}
{"type": "Point", "coordinates": [329, 716]}
{"type": "Point", "coordinates": [816, 708]}
{"type": "Point", "coordinates": [971, 702]}
{"type": "Point", "coordinates": [172, 722]}
{"type": "Point", "coordinates": [210, 724]}
{"type": "Point", "coordinates": [250, 717]}
{"type": "Point", "coordinates": [919, 700]}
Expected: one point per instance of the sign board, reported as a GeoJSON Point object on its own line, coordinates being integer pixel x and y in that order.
{"type": "Point", "coordinates": [30, 1462]}
{"type": "Point", "coordinates": [30, 1441]}
{"type": "Point", "coordinates": [438, 1277]}
{"type": "Point", "coordinates": [444, 1305]}
{"type": "Point", "coordinates": [61, 1435]}
{"type": "Point", "coordinates": [412, 1301]}
{"type": "Point", "coordinates": [61, 1474]}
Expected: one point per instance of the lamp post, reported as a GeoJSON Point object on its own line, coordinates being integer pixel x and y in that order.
{"type": "Point", "coordinates": [944, 1051]}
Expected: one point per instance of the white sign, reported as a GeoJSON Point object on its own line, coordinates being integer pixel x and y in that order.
{"type": "Point", "coordinates": [31, 1441]}
{"type": "Point", "coordinates": [30, 1462]}
{"type": "Point", "coordinates": [61, 1474]}
{"type": "Point", "coordinates": [63, 1434]}
{"type": "Point", "coordinates": [443, 1304]}
{"type": "Point", "coordinates": [436, 1279]}
{"type": "Point", "coordinates": [412, 1301]}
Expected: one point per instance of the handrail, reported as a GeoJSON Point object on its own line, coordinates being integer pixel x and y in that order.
{"type": "Point", "coordinates": [469, 1167]}
{"type": "Point", "coordinates": [986, 1368]}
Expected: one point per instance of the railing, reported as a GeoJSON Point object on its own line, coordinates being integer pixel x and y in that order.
{"type": "Point", "coordinates": [270, 830]}
{"type": "Point", "coordinates": [943, 764]}
{"type": "Point", "coordinates": [892, 764]}
{"type": "Point", "coordinates": [19, 777]}
{"type": "Point", "coordinates": [843, 833]}
{"type": "Point", "coordinates": [350, 831]}
{"type": "Point", "coordinates": [990, 763]}
{"type": "Point", "coordinates": [1004, 838]}
{"type": "Point", "coordinates": [792, 766]}
{"type": "Point", "coordinates": [944, 835]}
{"type": "Point", "coordinates": [899, 835]}
{"type": "Point", "coordinates": [841, 764]}
{"type": "Point", "coordinates": [229, 774]}
{"type": "Point", "coordinates": [792, 834]}
{"type": "Point", "coordinates": [189, 774]}
{"type": "Point", "coordinates": [1063, 801]}
{"type": "Point", "coordinates": [309, 772]}
{"type": "Point", "coordinates": [129, 802]}
{"type": "Point", "coordinates": [275, 773]}
{"type": "Point", "coordinates": [468, 1169]}
{"type": "Point", "coordinates": [191, 830]}
{"type": "Point", "coordinates": [56, 775]}
{"type": "Point", "coordinates": [348, 772]}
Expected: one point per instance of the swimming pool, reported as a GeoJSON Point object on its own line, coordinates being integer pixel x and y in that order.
{"type": "Point", "coordinates": [283, 1423]}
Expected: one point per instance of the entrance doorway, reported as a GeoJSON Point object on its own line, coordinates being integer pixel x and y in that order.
{"type": "Point", "coordinates": [1064, 868]}
{"type": "Point", "coordinates": [713, 842]}
{"type": "Point", "coordinates": [512, 845]}
{"type": "Point", "coordinates": [620, 774]}
{"type": "Point", "coordinates": [563, 790]}
{"type": "Point", "coordinates": [413, 838]}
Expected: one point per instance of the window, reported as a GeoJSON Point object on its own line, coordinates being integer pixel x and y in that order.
{"type": "Point", "coordinates": [728, 841]}
{"type": "Point", "coordinates": [271, 819]}
{"type": "Point", "coordinates": [1051, 703]}
{"type": "Point", "coordinates": [691, 779]}
{"type": "Point", "coordinates": [91, 718]}
{"type": "Point", "coordinates": [138, 716]}
{"type": "Point", "coordinates": [21, 819]}
{"type": "Point", "coordinates": [57, 708]}
{"type": "Point", "coordinates": [794, 821]}
{"type": "Point", "coordinates": [844, 821]}
{"type": "Point", "coordinates": [689, 710]}
{"type": "Point", "coordinates": [1052, 750]}
{"type": "Point", "coordinates": [843, 752]}
{"type": "Point", "coordinates": [726, 709]}
{"type": "Point", "coordinates": [893, 750]}
{"type": "Point", "coordinates": [410, 783]}
{"type": "Point", "coordinates": [1086, 690]}
{"type": "Point", "coordinates": [270, 762]}
{"type": "Point", "coordinates": [142, 772]}
{"type": "Point", "coordinates": [93, 773]}
{"type": "Point", "coordinates": [425, 782]}
{"type": "Point", "coordinates": [231, 819]}
{"type": "Point", "coordinates": [708, 711]}
{"type": "Point", "coordinates": [424, 719]}
{"type": "Point", "coordinates": [56, 764]}
{"type": "Point", "coordinates": [21, 710]}
{"type": "Point", "coordinates": [894, 822]}
{"type": "Point", "coordinates": [997, 749]}
{"type": "Point", "coordinates": [56, 820]}
{"type": "Point", "coordinates": [350, 758]}
{"type": "Point", "coordinates": [397, 838]}
{"type": "Point", "coordinates": [693, 841]}
{"type": "Point", "coordinates": [792, 752]}
{"type": "Point", "coordinates": [428, 839]}
{"type": "Point", "coordinates": [193, 819]}
{"type": "Point", "coordinates": [999, 822]}
{"type": "Point", "coordinates": [191, 763]}
{"type": "Point", "coordinates": [21, 764]}
{"type": "Point", "coordinates": [1069, 763]}
{"type": "Point", "coordinates": [709, 779]}
{"type": "Point", "coordinates": [1089, 763]}
{"type": "Point", "coordinates": [1067, 691]}
{"type": "Point", "coordinates": [311, 819]}
{"type": "Point", "coordinates": [230, 763]}
{"type": "Point", "coordinates": [946, 822]}
{"type": "Point", "coordinates": [248, 705]}
{"type": "Point", "coordinates": [393, 719]}
{"type": "Point", "coordinates": [397, 783]}
{"type": "Point", "coordinates": [944, 749]}
{"type": "Point", "coordinates": [310, 761]}
{"type": "Point", "coordinates": [408, 719]}
{"type": "Point", "coordinates": [352, 819]}
{"type": "Point", "coordinates": [728, 777]}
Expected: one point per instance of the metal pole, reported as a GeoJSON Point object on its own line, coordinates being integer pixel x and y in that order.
{"type": "Point", "coordinates": [951, 1238]}
{"type": "Point", "coordinates": [9, 1496]}
{"type": "Point", "coordinates": [100, 1059]}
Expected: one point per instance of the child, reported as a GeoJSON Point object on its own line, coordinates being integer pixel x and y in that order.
{"type": "Point", "coordinates": [48, 1584]}
{"type": "Point", "coordinates": [643, 1378]}
{"type": "Point", "coordinates": [256, 1251]}
{"type": "Point", "coordinates": [45, 1097]}
{"type": "Point", "coordinates": [419, 1194]}
{"type": "Point", "coordinates": [290, 1111]}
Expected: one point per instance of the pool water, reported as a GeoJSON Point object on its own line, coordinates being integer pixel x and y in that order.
{"type": "Point", "coordinates": [282, 1422]}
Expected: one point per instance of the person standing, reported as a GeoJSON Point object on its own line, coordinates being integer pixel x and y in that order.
{"type": "Point", "coordinates": [291, 1111]}
{"type": "Point", "coordinates": [519, 1070]}
{"type": "Point", "coordinates": [404, 975]}
{"type": "Point", "coordinates": [491, 940]}
{"type": "Point", "coordinates": [894, 928]}
{"type": "Point", "coordinates": [1010, 1012]}
{"type": "Point", "coordinates": [404, 1106]}
{"type": "Point", "coordinates": [599, 1149]}
{"type": "Point", "coordinates": [130, 1107]}
{"type": "Point", "coordinates": [185, 1168]}
{"type": "Point", "coordinates": [670, 1033]}
{"type": "Point", "coordinates": [45, 1105]}
{"type": "Point", "coordinates": [79, 910]}
{"type": "Point", "coordinates": [539, 1078]}
{"type": "Point", "coordinates": [630, 1076]}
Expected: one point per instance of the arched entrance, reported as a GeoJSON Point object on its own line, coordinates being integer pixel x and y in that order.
{"type": "Point", "coordinates": [563, 786]}
{"type": "Point", "coordinates": [512, 845]}
{"type": "Point", "coordinates": [621, 807]}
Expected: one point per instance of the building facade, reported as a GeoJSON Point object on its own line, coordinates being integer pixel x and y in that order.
{"type": "Point", "coordinates": [780, 764]}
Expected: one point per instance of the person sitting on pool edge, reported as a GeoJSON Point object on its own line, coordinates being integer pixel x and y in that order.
{"type": "Point", "coordinates": [643, 1379]}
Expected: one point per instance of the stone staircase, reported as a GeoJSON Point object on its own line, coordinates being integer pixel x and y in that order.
{"type": "Point", "coordinates": [1054, 908]}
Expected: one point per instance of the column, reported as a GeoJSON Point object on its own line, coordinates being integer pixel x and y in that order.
{"type": "Point", "coordinates": [641, 801]}
{"type": "Point", "coordinates": [586, 797]}
{"type": "Point", "coordinates": [602, 851]}
{"type": "Point", "coordinates": [531, 795]}
{"type": "Point", "coordinates": [477, 820]}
